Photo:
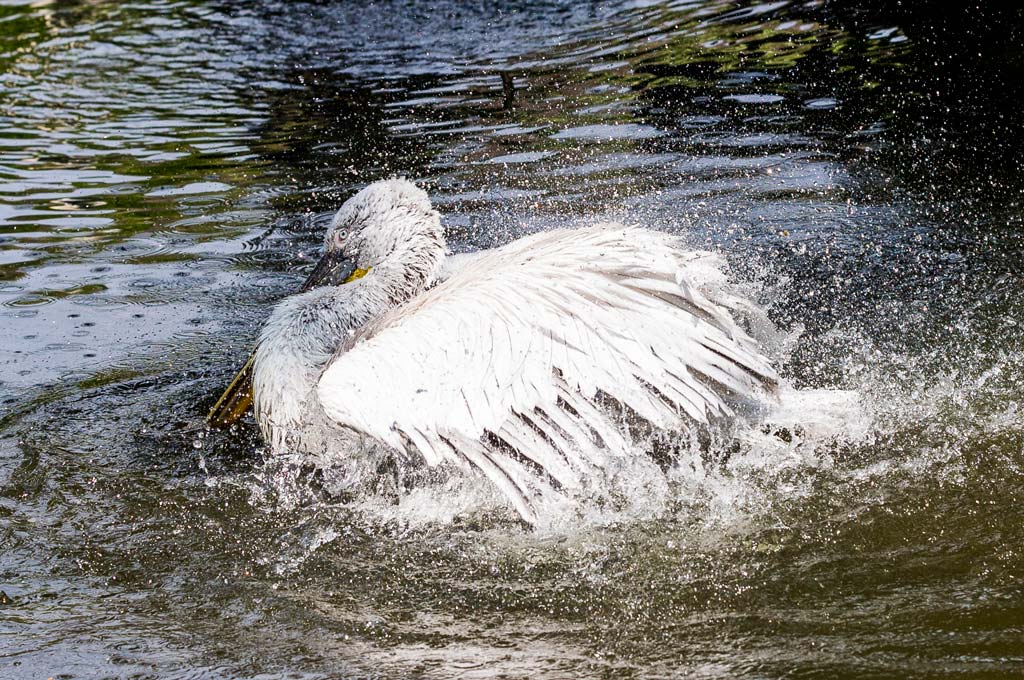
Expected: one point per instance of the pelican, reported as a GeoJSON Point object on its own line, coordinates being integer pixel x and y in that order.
{"type": "Point", "coordinates": [518, 362]}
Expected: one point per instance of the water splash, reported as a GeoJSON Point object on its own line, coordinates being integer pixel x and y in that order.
{"type": "Point", "coordinates": [717, 475]}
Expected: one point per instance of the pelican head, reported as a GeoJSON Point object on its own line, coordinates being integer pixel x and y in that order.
{"type": "Point", "coordinates": [386, 219]}
{"type": "Point", "coordinates": [384, 246]}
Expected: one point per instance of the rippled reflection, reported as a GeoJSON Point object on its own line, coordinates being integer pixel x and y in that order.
{"type": "Point", "coordinates": [167, 169]}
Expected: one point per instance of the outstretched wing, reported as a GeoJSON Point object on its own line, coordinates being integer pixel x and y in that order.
{"type": "Point", "coordinates": [508, 365]}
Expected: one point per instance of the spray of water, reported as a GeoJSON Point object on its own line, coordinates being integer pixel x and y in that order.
{"type": "Point", "coordinates": [725, 475]}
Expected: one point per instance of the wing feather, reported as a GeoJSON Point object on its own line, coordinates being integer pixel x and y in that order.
{"type": "Point", "coordinates": [507, 364]}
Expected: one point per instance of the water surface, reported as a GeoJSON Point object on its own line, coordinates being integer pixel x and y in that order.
{"type": "Point", "coordinates": [168, 168]}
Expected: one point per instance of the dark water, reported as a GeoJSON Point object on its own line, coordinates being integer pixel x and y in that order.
{"type": "Point", "coordinates": [167, 169]}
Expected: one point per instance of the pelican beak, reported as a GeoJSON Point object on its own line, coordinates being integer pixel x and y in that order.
{"type": "Point", "coordinates": [237, 398]}
{"type": "Point", "coordinates": [333, 269]}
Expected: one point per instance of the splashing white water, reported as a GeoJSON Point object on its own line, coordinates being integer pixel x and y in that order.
{"type": "Point", "coordinates": [724, 476]}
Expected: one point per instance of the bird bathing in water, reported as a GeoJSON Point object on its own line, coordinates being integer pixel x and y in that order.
{"type": "Point", "coordinates": [518, 362]}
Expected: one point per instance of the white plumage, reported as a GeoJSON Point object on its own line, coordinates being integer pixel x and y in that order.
{"type": "Point", "coordinates": [509, 365]}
